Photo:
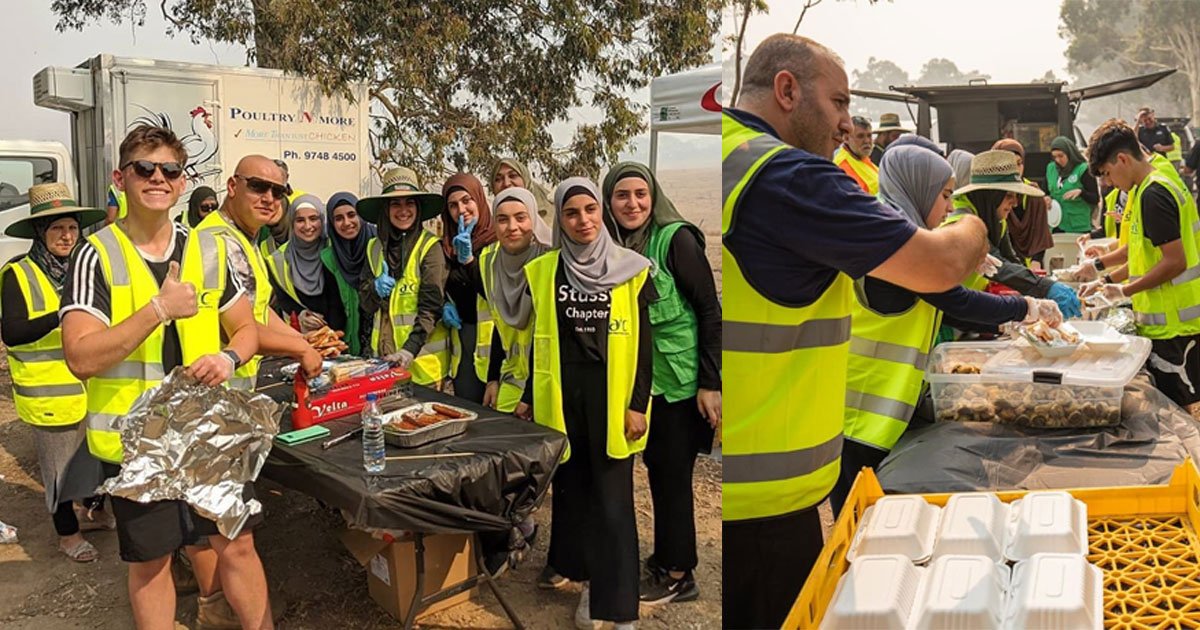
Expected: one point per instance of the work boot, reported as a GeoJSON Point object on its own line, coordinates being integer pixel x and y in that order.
{"type": "Point", "coordinates": [182, 574]}
{"type": "Point", "coordinates": [215, 613]}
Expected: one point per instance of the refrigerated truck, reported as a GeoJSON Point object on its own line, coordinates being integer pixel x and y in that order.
{"type": "Point", "coordinates": [221, 113]}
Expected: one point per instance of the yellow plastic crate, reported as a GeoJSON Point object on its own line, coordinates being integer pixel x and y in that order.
{"type": "Point", "coordinates": [1144, 538]}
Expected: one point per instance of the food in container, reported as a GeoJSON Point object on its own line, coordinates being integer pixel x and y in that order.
{"type": "Point", "coordinates": [1052, 590]}
{"type": "Point", "coordinates": [420, 424]}
{"type": "Point", "coordinates": [1046, 522]}
{"type": "Point", "coordinates": [961, 592]}
{"type": "Point", "coordinates": [974, 523]}
{"type": "Point", "coordinates": [877, 593]}
{"type": "Point", "coordinates": [903, 525]}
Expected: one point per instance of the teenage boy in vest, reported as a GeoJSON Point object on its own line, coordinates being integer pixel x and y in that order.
{"type": "Point", "coordinates": [796, 231]}
{"type": "Point", "coordinates": [1159, 265]}
{"type": "Point", "coordinates": [121, 299]}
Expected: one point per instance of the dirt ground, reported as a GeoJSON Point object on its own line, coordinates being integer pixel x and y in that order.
{"type": "Point", "coordinates": [322, 584]}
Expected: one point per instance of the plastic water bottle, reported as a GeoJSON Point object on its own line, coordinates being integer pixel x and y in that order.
{"type": "Point", "coordinates": [373, 448]}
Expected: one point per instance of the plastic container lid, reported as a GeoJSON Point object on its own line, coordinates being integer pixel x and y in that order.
{"type": "Point", "coordinates": [1053, 590]}
{"type": "Point", "coordinates": [877, 593]}
{"type": "Point", "coordinates": [900, 525]}
{"type": "Point", "coordinates": [1098, 336]}
{"type": "Point", "coordinates": [961, 592]}
{"type": "Point", "coordinates": [974, 524]}
{"type": "Point", "coordinates": [1047, 522]}
{"type": "Point", "coordinates": [1015, 361]}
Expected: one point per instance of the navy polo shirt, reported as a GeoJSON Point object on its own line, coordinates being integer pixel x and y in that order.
{"type": "Point", "coordinates": [802, 220]}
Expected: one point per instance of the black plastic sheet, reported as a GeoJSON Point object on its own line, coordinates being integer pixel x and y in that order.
{"type": "Point", "coordinates": [498, 486]}
{"type": "Point", "coordinates": [1153, 437]}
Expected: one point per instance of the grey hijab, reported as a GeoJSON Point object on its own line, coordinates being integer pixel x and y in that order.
{"type": "Point", "coordinates": [911, 178]}
{"type": "Point", "coordinates": [600, 265]}
{"type": "Point", "coordinates": [960, 161]}
{"type": "Point", "coordinates": [304, 259]}
{"type": "Point", "coordinates": [510, 295]}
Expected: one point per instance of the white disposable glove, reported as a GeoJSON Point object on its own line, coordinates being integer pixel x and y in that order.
{"type": "Point", "coordinates": [403, 358]}
{"type": "Point", "coordinates": [989, 266]}
{"type": "Point", "coordinates": [1044, 310]}
{"type": "Point", "coordinates": [175, 299]}
{"type": "Point", "coordinates": [1090, 288]}
{"type": "Point", "coordinates": [310, 321]}
{"type": "Point", "coordinates": [1086, 270]}
{"type": "Point", "coordinates": [1114, 292]}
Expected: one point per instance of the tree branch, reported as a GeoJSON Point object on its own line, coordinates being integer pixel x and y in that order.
{"type": "Point", "coordinates": [808, 4]}
{"type": "Point", "coordinates": [737, 54]}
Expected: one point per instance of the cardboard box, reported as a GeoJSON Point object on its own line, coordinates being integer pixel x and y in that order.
{"type": "Point", "coordinates": [391, 568]}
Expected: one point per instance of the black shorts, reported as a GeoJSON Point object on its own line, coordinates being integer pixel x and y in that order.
{"type": "Point", "coordinates": [149, 531]}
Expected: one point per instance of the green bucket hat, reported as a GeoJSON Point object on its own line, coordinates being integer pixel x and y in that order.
{"type": "Point", "coordinates": [53, 200]}
{"type": "Point", "coordinates": [399, 183]}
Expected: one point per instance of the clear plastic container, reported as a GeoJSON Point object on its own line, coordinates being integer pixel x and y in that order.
{"type": "Point", "coordinates": [877, 593]}
{"type": "Point", "coordinates": [1061, 591]}
{"type": "Point", "coordinates": [1046, 522]}
{"type": "Point", "coordinates": [961, 592]}
{"type": "Point", "coordinates": [974, 524]}
{"type": "Point", "coordinates": [1007, 382]}
{"type": "Point", "coordinates": [900, 525]}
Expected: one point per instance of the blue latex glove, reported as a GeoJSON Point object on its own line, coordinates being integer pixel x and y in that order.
{"type": "Point", "coordinates": [462, 241]}
{"type": "Point", "coordinates": [1066, 299]}
{"type": "Point", "coordinates": [450, 316]}
{"type": "Point", "coordinates": [384, 285]}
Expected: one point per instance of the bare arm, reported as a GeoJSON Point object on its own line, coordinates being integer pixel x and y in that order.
{"type": "Point", "coordinates": [277, 338]}
{"type": "Point", "coordinates": [1173, 263]}
{"type": "Point", "coordinates": [933, 261]}
{"type": "Point", "coordinates": [238, 323]}
{"type": "Point", "coordinates": [91, 346]}
{"type": "Point", "coordinates": [1116, 257]}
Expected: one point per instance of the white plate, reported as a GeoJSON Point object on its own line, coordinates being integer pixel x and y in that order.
{"type": "Point", "coordinates": [974, 523]}
{"type": "Point", "coordinates": [877, 593]}
{"type": "Point", "coordinates": [961, 592]}
{"type": "Point", "coordinates": [1046, 522]}
{"type": "Point", "coordinates": [1100, 337]}
{"type": "Point", "coordinates": [1053, 590]}
{"type": "Point", "coordinates": [901, 525]}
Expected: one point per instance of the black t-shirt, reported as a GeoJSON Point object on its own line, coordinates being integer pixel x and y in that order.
{"type": "Point", "coordinates": [1160, 215]}
{"type": "Point", "coordinates": [1158, 135]}
{"type": "Point", "coordinates": [87, 290]}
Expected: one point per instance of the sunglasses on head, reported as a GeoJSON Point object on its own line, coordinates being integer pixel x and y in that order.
{"type": "Point", "coordinates": [145, 168]}
{"type": "Point", "coordinates": [261, 186]}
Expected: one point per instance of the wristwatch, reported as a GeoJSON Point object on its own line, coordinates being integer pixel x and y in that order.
{"type": "Point", "coordinates": [1108, 278]}
{"type": "Point", "coordinates": [237, 361]}
{"type": "Point", "coordinates": [1098, 264]}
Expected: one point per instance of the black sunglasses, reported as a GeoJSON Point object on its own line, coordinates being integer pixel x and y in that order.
{"type": "Point", "coordinates": [208, 207]}
{"type": "Point", "coordinates": [261, 186]}
{"type": "Point", "coordinates": [145, 168]}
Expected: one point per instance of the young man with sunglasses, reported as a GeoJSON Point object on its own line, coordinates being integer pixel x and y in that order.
{"type": "Point", "coordinates": [226, 238]}
{"type": "Point", "coordinates": [122, 303]}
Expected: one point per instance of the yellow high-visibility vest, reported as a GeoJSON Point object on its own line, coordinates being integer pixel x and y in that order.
{"type": "Point", "coordinates": [514, 371]}
{"type": "Point", "coordinates": [1171, 309]}
{"type": "Point", "coordinates": [432, 363]}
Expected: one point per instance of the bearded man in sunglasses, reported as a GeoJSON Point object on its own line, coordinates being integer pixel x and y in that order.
{"type": "Point", "coordinates": [225, 238]}
{"type": "Point", "coordinates": [122, 313]}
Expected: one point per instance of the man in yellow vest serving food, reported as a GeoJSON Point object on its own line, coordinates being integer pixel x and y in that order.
{"type": "Point", "coordinates": [121, 301]}
{"type": "Point", "coordinates": [796, 232]}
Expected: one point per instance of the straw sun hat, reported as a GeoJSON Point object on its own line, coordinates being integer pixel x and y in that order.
{"type": "Point", "coordinates": [53, 200]}
{"type": "Point", "coordinates": [398, 183]}
{"type": "Point", "coordinates": [997, 170]}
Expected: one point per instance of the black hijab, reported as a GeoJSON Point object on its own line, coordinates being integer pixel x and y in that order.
{"type": "Point", "coordinates": [53, 265]}
{"type": "Point", "coordinates": [351, 254]}
{"type": "Point", "coordinates": [198, 197]}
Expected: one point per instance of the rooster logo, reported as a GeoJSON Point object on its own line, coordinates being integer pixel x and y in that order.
{"type": "Point", "coordinates": [201, 143]}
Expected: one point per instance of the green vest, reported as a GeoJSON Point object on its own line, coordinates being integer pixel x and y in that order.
{"type": "Point", "coordinates": [281, 273]}
{"type": "Point", "coordinates": [111, 394]}
{"type": "Point", "coordinates": [782, 432]}
{"type": "Point", "coordinates": [514, 371]}
{"type": "Point", "coordinates": [886, 370]}
{"type": "Point", "coordinates": [45, 392]}
{"type": "Point", "coordinates": [621, 364]}
{"type": "Point", "coordinates": [1076, 213]}
{"type": "Point", "coordinates": [432, 362]}
{"type": "Point", "coordinates": [1171, 309]}
{"type": "Point", "coordinates": [676, 345]}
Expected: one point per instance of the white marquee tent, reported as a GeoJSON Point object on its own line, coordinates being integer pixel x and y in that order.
{"type": "Point", "coordinates": [688, 102]}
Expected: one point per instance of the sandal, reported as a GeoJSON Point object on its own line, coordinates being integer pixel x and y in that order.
{"type": "Point", "coordinates": [83, 552]}
{"type": "Point", "coordinates": [94, 520]}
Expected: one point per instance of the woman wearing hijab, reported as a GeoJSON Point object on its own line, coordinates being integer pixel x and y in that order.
{"type": "Point", "coordinates": [510, 173]}
{"type": "Point", "coordinates": [1029, 230]}
{"type": "Point", "coordinates": [404, 288]}
{"type": "Point", "coordinates": [892, 328]}
{"type": "Point", "coordinates": [46, 394]}
{"type": "Point", "coordinates": [1071, 186]}
{"type": "Point", "coordinates": [960, 161]}
{"type": "Point", "coordinates": [348, 238]}
{"type": "Point", "coordinates": [686, 319]}
{"type": "Point", "coordinates": [305, 276]}
{"type": "Point", "coordinates": [995, 184]}
{"type": "Point", "coordinates": [592, 371]}
{"type": "Point", "coordinates": [466, 230]}
{"type": "Point", "coordinates": [200, 204]}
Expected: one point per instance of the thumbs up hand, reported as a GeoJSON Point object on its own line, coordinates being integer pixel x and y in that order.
{"type": "Point", "coordinates": [175, 299]}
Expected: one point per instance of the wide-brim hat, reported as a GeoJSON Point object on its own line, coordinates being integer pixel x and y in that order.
{"type": "Point", "coordinates": [53, 200]}
{"type": "Point", "coordinates": [400, 183]}
{"type": "Point", "coordinates": [997, 170]}
{"type": "Point", "coordinates": [890, 122]}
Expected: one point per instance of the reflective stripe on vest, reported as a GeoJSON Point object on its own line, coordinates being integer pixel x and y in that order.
{"type": "Point", "coordinates": [620, 364]}
{"type": "Point", "coordinates": [1171, 309]}
{"type": "Point", "coordinates": [783, 436]}
{"type": "Point", "coordinates": [514, 370]}
{"type": "Point", "coordinates": [864, 172]}
{"type": "Point", "coordinates": [45, 393]}
{"type": "Point", "coordinates": [432, 363]}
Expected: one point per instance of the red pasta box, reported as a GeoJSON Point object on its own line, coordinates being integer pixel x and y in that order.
{"type": "Point", "coordinates": [347, 398]}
